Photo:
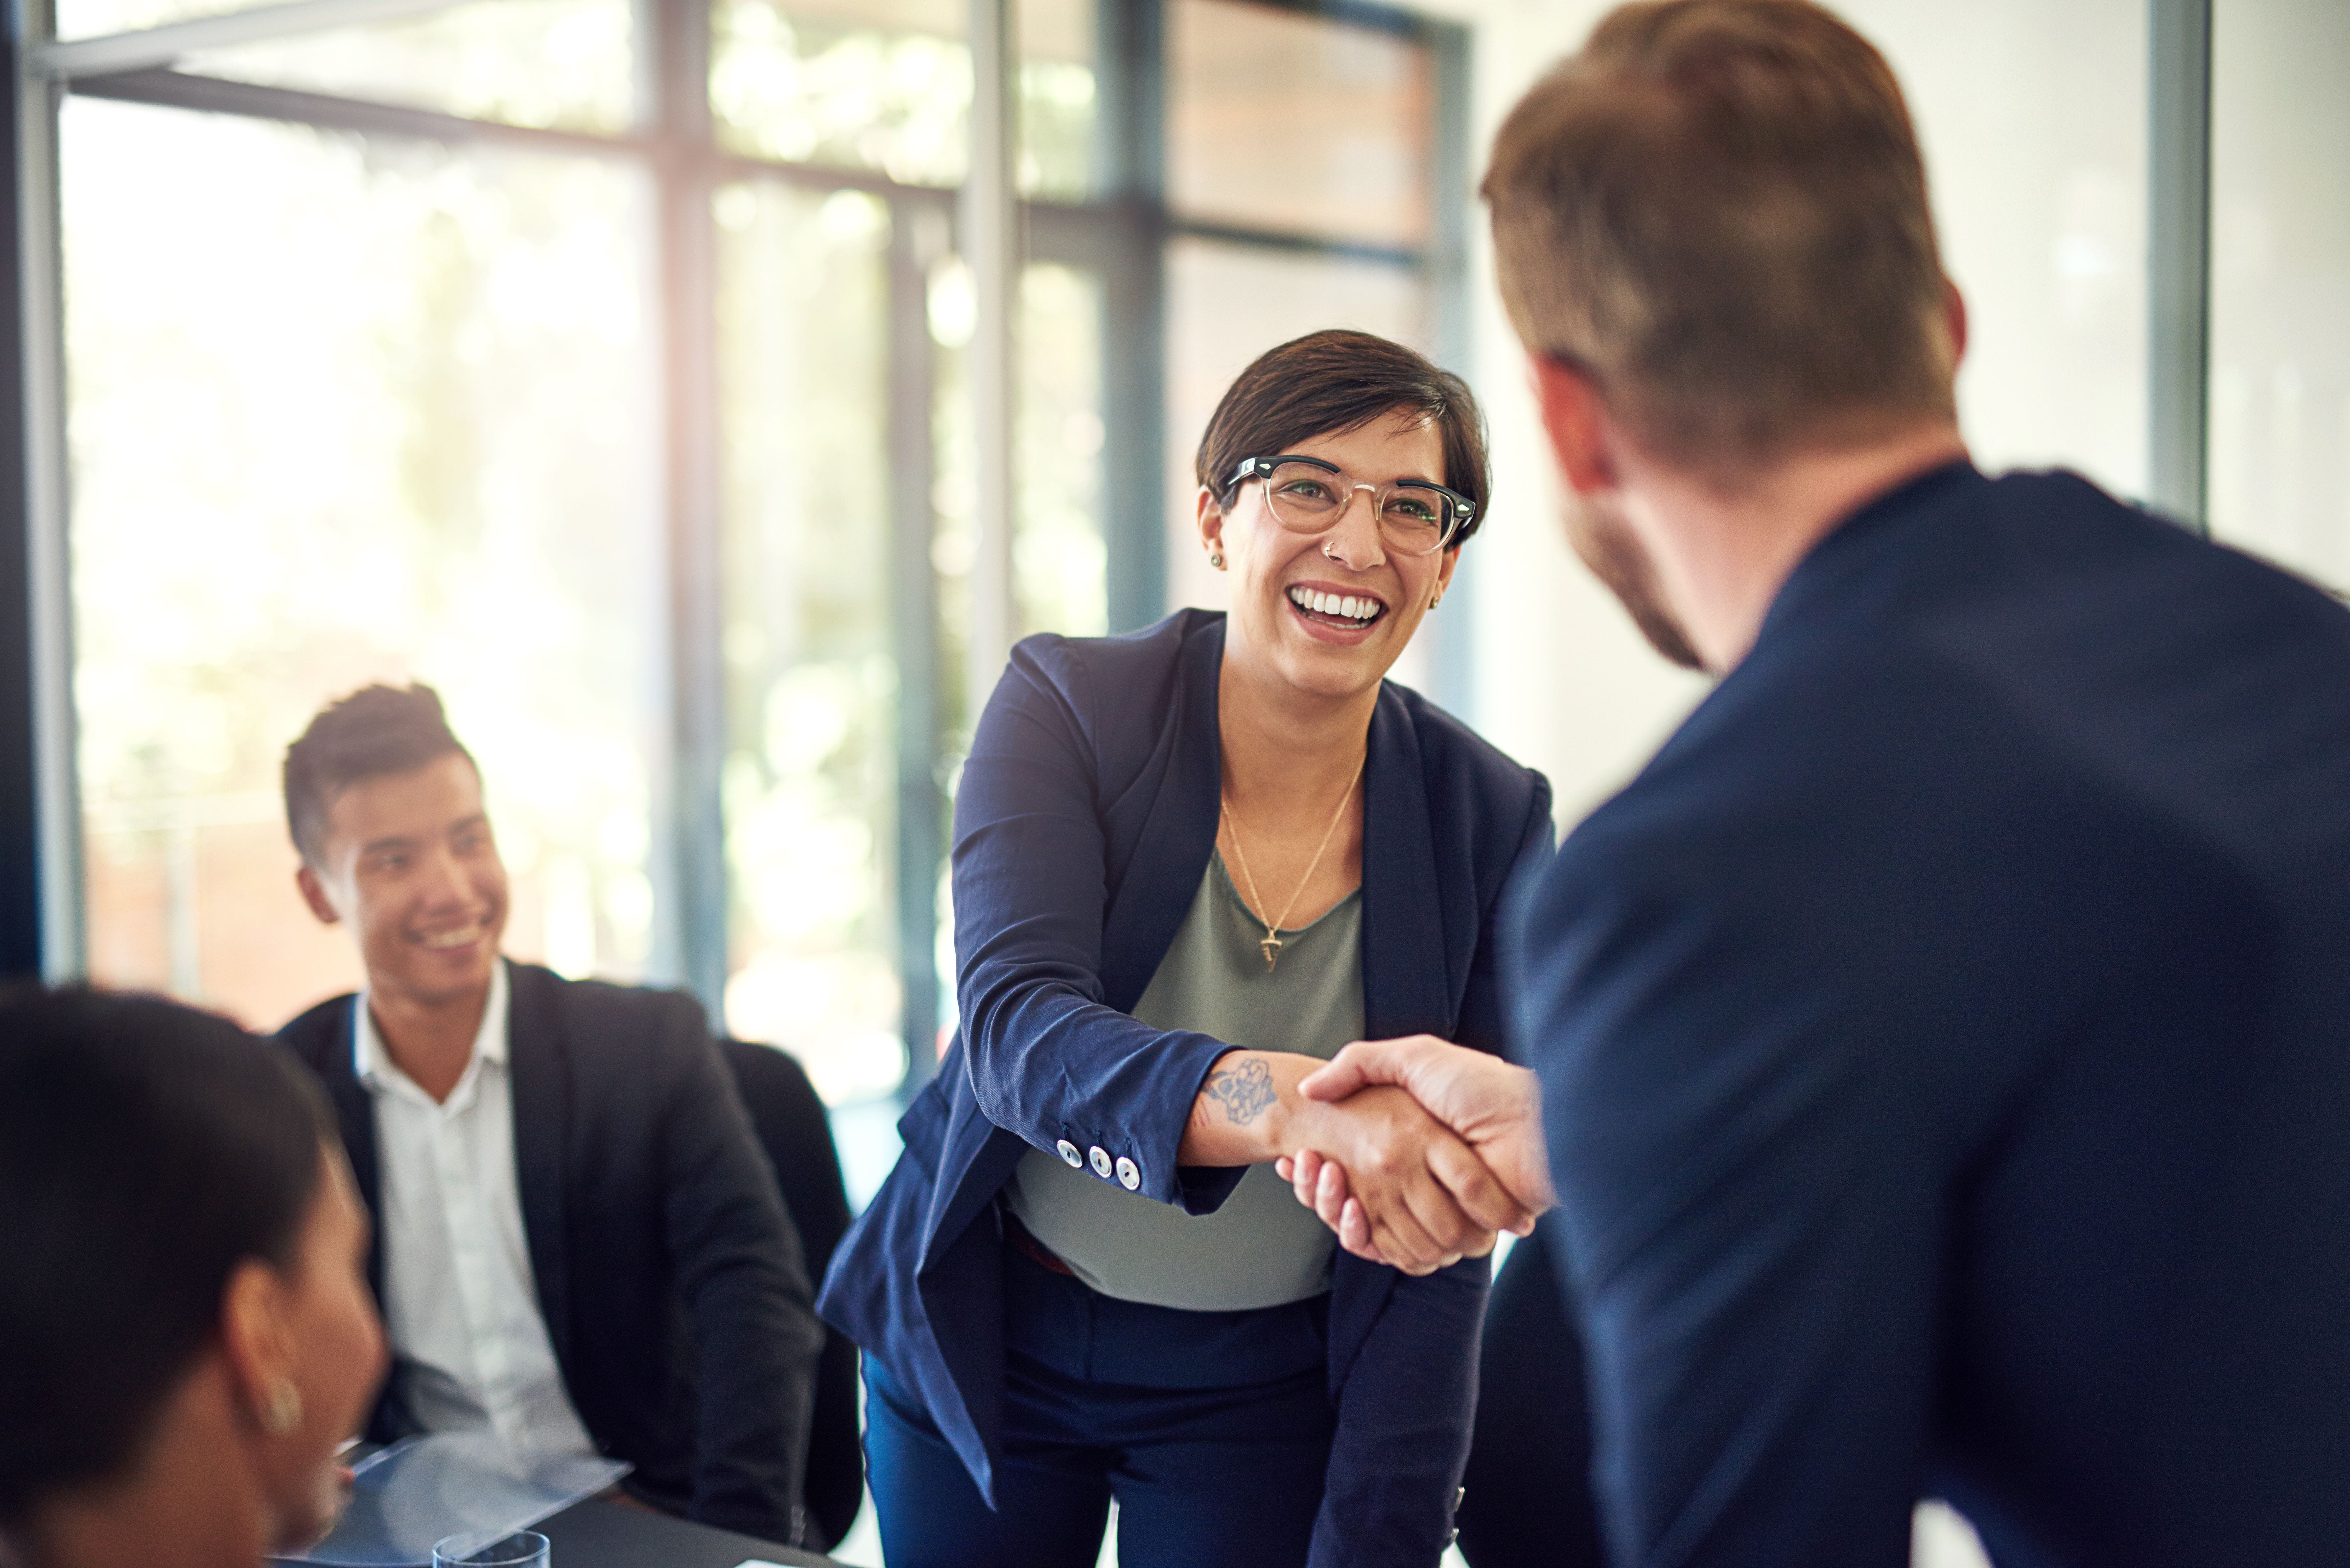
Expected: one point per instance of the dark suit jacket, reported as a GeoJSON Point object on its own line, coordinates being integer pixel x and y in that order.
{"type": "Point", "coordinates": [1083, 824]}
{"type": "Point", "coordinates": [1946, 1044]}
{"type": "Point", "coordinates": [668, 1275]}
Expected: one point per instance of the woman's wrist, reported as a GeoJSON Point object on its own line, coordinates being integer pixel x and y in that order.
{"type": "Point", "coordinates": [1246, 1109]}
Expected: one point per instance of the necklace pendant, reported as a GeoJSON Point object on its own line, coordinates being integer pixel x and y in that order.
{"type": "Point", "coordinates": [1271, 946]}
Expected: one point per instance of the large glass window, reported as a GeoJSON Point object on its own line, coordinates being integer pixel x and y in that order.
{"type": "Point", "coordinates": [2280, 409]}
{"type": "Point", "coordinates": [386, 414]}
{"type": "Point", "coordinates": [1352, 109]}
{"type": "Point", "coordinates": [811, 690]}
{"type": "Point", "coordinates": [884, 86]}
{"type": "Point", "coordinates": [1059, 556]}
{"type": "Point", "coordinates": [2033, 119]}
{"type": "Point", "coordinates": [552, 64]}
{"type": "Point", "coordinates": [401, 350]}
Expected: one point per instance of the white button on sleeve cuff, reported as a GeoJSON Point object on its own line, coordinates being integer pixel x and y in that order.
{"type": "Point", "coordinates": [1069, 1155]}
{"type": "Point", "coordinates": [1101, 1158]}
{"type": "Point", "coordinates": [1129, 1174]}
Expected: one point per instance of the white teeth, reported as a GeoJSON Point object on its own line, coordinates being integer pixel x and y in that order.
{"type": "Point", "coordinates": [452, 939]}
{"type": "Point", "coordinates": [1345, 606]}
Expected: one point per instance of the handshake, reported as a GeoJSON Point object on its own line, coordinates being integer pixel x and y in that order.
{"type": "Point", "coordinates": [1416, 1152]}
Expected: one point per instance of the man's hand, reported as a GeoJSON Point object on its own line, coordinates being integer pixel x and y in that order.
{"type": "Point", "coordinates": [1494, 1106]}
{"type": "Point", "coordinates": [1421, 1198]}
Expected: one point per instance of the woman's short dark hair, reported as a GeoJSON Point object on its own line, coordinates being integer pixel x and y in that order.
{"type": "Point", "coordinates": [146, 1150]}
{"type": "Point", "coordinates": [376, 730]}
{"type": "Point", "coordinates": [1330, 382]}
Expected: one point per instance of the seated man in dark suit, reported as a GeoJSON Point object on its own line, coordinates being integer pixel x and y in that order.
{"type": "Point", "coordinates": [578, 1246]}
{"type": "Point", "coordinates": [1945, 1041]}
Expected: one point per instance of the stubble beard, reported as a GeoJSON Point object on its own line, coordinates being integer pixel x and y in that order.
{"type": "Point", "coordinates": [1605, 543]}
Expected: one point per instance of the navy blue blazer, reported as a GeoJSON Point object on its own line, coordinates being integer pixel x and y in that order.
{"type": "Point", "coordinates": [1946, 1044]}
{"type": "Point", "coordinates": [1085, 822]}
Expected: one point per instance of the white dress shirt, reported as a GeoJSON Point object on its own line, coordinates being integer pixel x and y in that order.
{"type": "Point", "coordinates": [459, 1302]}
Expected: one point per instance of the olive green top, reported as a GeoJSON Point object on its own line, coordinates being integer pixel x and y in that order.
{"type": "Point", "coordinates": [1260, 1248]}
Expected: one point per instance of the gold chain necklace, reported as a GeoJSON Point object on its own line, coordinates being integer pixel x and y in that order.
{"type": "Point", "coordinates": [1271, 945]}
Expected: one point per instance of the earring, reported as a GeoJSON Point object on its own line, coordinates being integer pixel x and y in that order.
{"type": "Point", "coordinates": [1437, 600]}
{"type": "Point", "coordinates": [284, 1412]}
{"type": "Point", "coordinates": [1216, 559]}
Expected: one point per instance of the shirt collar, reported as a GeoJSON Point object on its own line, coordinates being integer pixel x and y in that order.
{"type": "Point", "coordinates": [373, 1065]}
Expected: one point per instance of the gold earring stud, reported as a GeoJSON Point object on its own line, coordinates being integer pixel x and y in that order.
{"type": "Point", "coordinates": [284, 1412]}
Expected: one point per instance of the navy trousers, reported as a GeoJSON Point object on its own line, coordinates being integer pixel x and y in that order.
{"type": "Point", "coordinates": [1212, 1431]}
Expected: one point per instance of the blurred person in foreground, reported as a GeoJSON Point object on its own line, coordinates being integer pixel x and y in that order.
{"type": "Point", "coordinates": [579, 1245]}
{"type": "Point", "coordinates": [1945, 1042]}
{"type": "Point", "coordinates": [1190, 863]}
{"type": "Point", "coordinates": [186, 1332]}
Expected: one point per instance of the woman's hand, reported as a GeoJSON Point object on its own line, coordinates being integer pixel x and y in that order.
{"type": "Point", "coordinates": [1493, 1105]}
{"type": "Point", "coordinates": [1422, 1198]}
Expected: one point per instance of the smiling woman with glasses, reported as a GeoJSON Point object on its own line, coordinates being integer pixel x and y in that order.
{"type": "Point", "coordinates": [1190, 864]}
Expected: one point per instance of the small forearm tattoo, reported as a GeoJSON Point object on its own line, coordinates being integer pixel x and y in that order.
{"type": "Point", "coordinates": [1245, 1091]}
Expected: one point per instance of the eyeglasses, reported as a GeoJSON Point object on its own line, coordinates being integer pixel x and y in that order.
{"type": "Point", "coordinates": [1307, 495]}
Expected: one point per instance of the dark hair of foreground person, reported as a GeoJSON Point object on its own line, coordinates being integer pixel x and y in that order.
{"type": "Point", "coordinates": [182, 1327]}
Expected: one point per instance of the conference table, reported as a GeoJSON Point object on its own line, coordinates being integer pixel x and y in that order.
{"type": "Point", "coordinates": [600, 1533]}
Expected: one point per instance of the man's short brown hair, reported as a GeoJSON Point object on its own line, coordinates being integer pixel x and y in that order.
{"type": "Point", "coordinates": [1717, 210]}
{"type": "Point", "coordinates": [375, 730]}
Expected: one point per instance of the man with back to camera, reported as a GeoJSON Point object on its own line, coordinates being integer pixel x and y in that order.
{"type": "Point", "coordinates": [1945, 1041]}
{"type": "Point", "coordinates": [578, 1244]}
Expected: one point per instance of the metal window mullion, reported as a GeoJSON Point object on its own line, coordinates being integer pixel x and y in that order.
{"type": "Point", "coordinates": [2179, 257]}
{"type": "Point", "coordinates": [1408, 257]}
{"type": "Point", "coordinates": [1133, 70]}
{"type": "Point", "coordinates": [687, 274]}
{"type": "Point", "coordinates": [44, 724]}
{"type": "Point", "coordinates": [152, 48]}
{"type": "Point", "coordinates": [1454, 671]}
{"type": "Point", "coordinates": [217, 95]}
{"type": "Point", "coordinates": [990, 244]}
{"type": "Point", "coordinates": [917, 236]}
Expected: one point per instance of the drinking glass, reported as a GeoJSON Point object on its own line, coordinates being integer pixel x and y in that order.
{"type": "Point", "coordinates": [479, 1549]}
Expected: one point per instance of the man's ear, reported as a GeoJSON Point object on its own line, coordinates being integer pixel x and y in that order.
{"type": "Point", "coordinates": [1577, 421]}
{"type": "Point", "coordinates": [314, 893]}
